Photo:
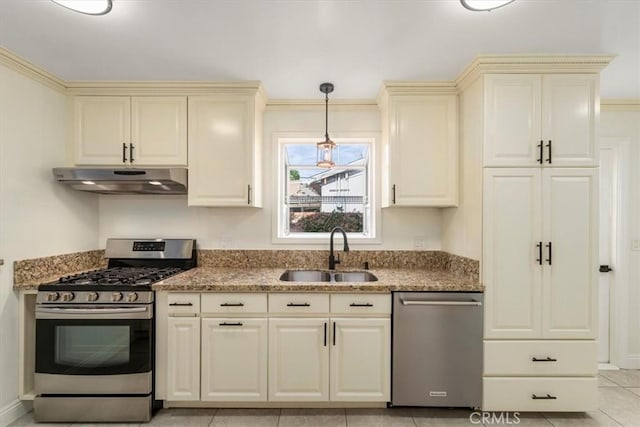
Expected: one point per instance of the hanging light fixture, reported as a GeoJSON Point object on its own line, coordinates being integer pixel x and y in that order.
{"type": "Point", "coordinates": [88, 7]}
{"type": "Point", "coordinates": [484, 5]}
{"type": "Point", "coordinates": [325, 148]}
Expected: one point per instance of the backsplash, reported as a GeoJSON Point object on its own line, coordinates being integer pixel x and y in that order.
{"type": "Point", "coordinates": [42, 270]}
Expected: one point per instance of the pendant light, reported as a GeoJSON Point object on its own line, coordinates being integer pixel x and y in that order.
{"type": "Point", "coordinates": [88, 7]}
{"type": "Point", "coordinates": [325, 148]}
{"type": "Point", "coordinates": [484, 5]}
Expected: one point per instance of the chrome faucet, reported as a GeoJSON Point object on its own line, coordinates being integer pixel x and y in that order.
{"type": "Point", "coordinates": [332, 260]}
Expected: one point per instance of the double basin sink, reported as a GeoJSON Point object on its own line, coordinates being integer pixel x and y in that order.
{"type": "Point", "coordinates": [327, 276]}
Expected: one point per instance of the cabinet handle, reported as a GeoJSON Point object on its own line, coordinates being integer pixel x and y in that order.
{"type": "Point", "coordinates": [550, 255]}
{"type": "Point", "coordinates": [549, 147]}
{"type": "Point", "coordinates": [124, 153]}
{"type": "Point", "coordinates": [325, 334]}
{"type": "Point", "coordinates": [181, 304]}
{"type": "Point", "coordinates": [393, 191]}
{"type": "Point", "coordinates": [547, 397]}
{"type": "Point", "coordinates": [293, 304]}
{"type": "Point", "coordinates": [539, 259]}
{"type": "Point", "coordinates": [249, 194]}
{"type": "Point", "coordinates": [334, 334]}
{"type": "Point", "coordinates": [546, 359]}
{"type": "Point", "coordinates": [232, 304]}
{"type": "Point", "coordinates": [230, 324]}
{"type": "Point", "coordinates": [131, 147]}
{"type": "Point", "coordinates": [355, 304]}
{"type": "Point", "coordinates": [541, 151]}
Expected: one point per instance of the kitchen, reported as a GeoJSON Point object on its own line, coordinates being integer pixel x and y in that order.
{"type": "Point", "coordinates": [76, 222]}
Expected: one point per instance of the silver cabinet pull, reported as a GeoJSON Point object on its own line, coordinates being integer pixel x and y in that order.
{"type": "Point", "coordinates": [418, 302]}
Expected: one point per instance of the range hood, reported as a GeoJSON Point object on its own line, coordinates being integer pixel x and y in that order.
{"type": "Point", "coordinates": [125, 180]}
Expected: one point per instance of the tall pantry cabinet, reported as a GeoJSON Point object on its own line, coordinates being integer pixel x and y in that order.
{"type": "Point", "coordinates": [536, 121]}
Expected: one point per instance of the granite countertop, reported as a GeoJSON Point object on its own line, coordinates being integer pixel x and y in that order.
{"type": "Point", "coordinates": [208, 279]}
{"type": "Point", "coordinates": [32, 284]}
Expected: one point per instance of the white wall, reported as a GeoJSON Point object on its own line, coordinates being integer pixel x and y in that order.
{"type": "Point", "coordinates": [625, 308]}
{"type": "Point", "coordinates": [248, 228]}
{"type": "Point", "coordinates": [38, 217]}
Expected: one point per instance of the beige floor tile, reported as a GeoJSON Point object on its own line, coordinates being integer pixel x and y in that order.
{"type": "Point", "coordinates": [246, 418]}
{"type": "Point", "coordinates": [623, 377]}
{"type": "Point", "coordinates": [183, 417]}
{"type": "Point", "coordinates": [621, 405]}
{"type": "Point", "coordinates": [578, 419]}
{"type": "Point", "coordinates": [27, 420]}
{"type": "Point", "coordinates": [635, 390]}
{"type": "Point", "coordinates": [446, 417]}
{"type": "Point", "coordinates": [312, 418]}
{"type": "Point", "coordinates": [605, 382]}
{"type": "Point", "coordinates": [381, 417]}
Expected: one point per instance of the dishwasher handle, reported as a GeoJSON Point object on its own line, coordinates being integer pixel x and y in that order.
{"type": "Point", "coordinates": [451, 303]}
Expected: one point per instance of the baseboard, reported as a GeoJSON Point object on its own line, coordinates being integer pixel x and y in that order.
{"type": "Point", "coordinates": [607, 367]}
{"type": "Point", "coordinates": [12, 412]}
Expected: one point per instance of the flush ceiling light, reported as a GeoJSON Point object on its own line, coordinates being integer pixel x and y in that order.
{"type": "Point", "coordinates": [89, 7]}
{"type": "Point", "coordinates": [484, 5]}
{"type": "Point", "coordinates": [325, 148]}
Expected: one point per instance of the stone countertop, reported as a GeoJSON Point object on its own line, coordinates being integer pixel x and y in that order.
{"type": "Point", "coordinates": [32, 285]}
{"type": "Point", "coordinates": [208, 279]}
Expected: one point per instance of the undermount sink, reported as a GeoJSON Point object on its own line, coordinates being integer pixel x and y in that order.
{"type": "Point", "coordinates": [326, 276]}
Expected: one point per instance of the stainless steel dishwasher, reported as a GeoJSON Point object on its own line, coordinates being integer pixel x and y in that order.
{"type": "Point", "coordinates": [437, 349]}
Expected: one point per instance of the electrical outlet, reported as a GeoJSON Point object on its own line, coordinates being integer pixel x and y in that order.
{"type": "Point", "coordinates": [419, 242]}
{"type": "Point", "coordinates": [226, 243]}
{"type": "Point", "coordinates": [635, 245]}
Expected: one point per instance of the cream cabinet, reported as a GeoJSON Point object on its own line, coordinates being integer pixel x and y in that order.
{"type": "Point", "coordinates": [139, 130]}
{"type": "Point", "coordinates": [225, 158]}
{"type": "Point", "coordinates": [299, 359]}
{"type": "Point", "coordinates": [419, 147]}
{"type": "Point", "coordinates": [183, 358]}
{"type": "Point", "coordinates": [234, 359]}
{"type": "Point", "coordinates": [540, 119]}
{"type": "Point", "coordinates": [540, 253]}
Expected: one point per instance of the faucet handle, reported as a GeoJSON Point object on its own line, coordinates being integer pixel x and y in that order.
{"type": "Point", "coordinates": [337, 261]}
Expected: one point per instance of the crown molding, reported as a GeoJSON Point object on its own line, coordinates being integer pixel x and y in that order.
{"type": "Point", "coordinates": [534, 63]}
{"type": "Point", "coordinates": [24, 67]}
{"type": "Point", "coordinates": [620, 104]}
{"type": "Point", "coordinates": [164, 87]}
{"type": "Point", "coordinates": [319, 104]}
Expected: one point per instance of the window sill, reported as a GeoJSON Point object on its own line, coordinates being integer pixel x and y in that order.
{"type": "Point", "coordinates": [323, 239]}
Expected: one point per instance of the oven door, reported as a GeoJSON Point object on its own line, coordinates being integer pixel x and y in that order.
{"type": "Point", "coordinates": [91, 349]}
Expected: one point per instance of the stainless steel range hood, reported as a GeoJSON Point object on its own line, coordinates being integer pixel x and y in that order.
{"type": "Point", "coordinates": [125, 180]}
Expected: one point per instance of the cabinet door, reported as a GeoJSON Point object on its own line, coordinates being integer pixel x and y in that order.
{"type": "Point", "coordinates": [183, 359]}
{"type": "Point", "coordinates": [221, 150]}
{"type": "Point", "coordinates": [354, 376]}
{"type": "Point", "coordinates": [299, 359]}
{"type": "Point", "coordinates": [512, 272]}
{"type": "Point", "coordinates": [423, 151]}
{"type": "Point", "coordinates": [234, 359]}
{"type": "Point", "coordinates": [159, 130]}
{"type": "Point", "coordinates": [512, 111]}
{"type": "Point", "coordinates": [101, 125]}
{"type": "Point", "coordinates": [569, 115]}
{"type": "Point", "coordinates": [570, 206]}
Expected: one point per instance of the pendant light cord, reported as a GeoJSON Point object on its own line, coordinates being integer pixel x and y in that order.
{"type": "Point", "coordinates": [326, 116]}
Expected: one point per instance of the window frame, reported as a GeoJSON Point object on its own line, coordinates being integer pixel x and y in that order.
{"type": "Point", "coordinates": [280, 208]}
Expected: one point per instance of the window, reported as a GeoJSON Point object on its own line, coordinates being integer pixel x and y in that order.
{"type": "Point", "coordinates": [313, 200]}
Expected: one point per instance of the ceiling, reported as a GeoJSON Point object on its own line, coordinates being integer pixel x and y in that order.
{"type": "Point", "coordinates": [293, 45]}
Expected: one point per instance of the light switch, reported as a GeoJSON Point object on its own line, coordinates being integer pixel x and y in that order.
{"type": "Point", "coordinates": [635, 245]}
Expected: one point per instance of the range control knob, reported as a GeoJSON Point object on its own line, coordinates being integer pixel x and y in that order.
{"type": "Point", "coordinates": [132, 296]}
{"type": "Point", "coordinates": [116, 296]}
{"type": "Point", "coordinates": [53, 296]}
{"type": "Point", "coordinates": [92, 296]}
{"type": "Point", "coordinates": [68, 296]}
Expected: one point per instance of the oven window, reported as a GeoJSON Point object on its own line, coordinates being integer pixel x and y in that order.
{"type": "Point", "coordinates": [92, 346]}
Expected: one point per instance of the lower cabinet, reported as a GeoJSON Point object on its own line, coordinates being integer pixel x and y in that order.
{"type": "Point", "coordinates": [234, 359]}
{"type": "Point", "coordinates": [183, 358]}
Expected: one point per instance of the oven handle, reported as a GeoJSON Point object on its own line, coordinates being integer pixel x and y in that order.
{"type": "Point", "coordinates": [94, 313]}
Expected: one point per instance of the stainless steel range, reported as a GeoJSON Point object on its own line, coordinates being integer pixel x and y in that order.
{"type": "Point", "coordinates": [95, 334]}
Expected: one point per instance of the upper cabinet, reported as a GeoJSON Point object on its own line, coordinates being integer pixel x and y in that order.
{"type": "Point", "coordinates": [225, 149]}
{"type": "Point", "coordinates": [534, 120]}
{"type": "Point", "coordinates": [124, 130]}
{"type": "Point", "coordinates": [419, 146]}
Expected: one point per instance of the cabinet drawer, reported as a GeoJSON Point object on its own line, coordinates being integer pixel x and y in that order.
{"type": "Point", "coordinates": [361, 303]}
{"type": "Point", "coordinates": [540, 358]}
{"type": "Point", "coordinates": [234, 303]}
{"type": "Point", "coordinates": [297, 303]}
{"type": "Point", "coordinates": [537, 394]}
{"type": "Point", "coordinates": [183, 304]}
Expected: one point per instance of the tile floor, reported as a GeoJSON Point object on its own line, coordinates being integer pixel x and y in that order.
{"type": "Point", "coordinates": [619, 406]}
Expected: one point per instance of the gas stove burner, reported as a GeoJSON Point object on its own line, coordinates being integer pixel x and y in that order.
{"type": "Point", "coordinates": [120, 277]}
